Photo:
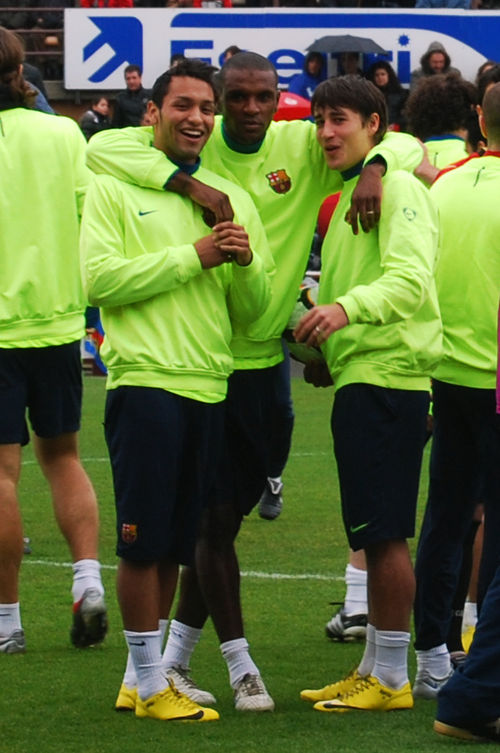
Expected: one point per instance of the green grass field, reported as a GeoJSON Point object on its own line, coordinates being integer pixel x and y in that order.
{"type": "Point", "coordinates": [57, 699]}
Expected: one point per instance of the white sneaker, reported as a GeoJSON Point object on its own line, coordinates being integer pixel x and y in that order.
{"type": "Point", "coordinates": [13, 643]}
{"type": "Point", "coordinates": [251, 695]}
{"type": "Point", "coordinates": [185, 684]}
{"type": "Point", "coordinates": [426, 686]}
{"type": "Point", "coordinates": [90, 620]}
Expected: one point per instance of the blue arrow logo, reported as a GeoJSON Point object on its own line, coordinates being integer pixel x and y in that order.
{"type": "Point", "coordinates": [123, 35]}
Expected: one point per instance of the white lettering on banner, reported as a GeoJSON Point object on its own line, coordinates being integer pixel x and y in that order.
{"type": "Point", "coordinates": [100, 43]}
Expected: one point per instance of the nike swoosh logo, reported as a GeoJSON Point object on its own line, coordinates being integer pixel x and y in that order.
{"type": "Point", "coordinates": [150, 211]}
{"type": "Point", "coordinates": [355, 529]}
{"type": "Point", "coordinates": [141, 643]}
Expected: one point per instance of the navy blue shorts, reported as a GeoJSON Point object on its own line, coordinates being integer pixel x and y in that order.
{"type": "Point", "coordinates": [164, 449]}
{"type": "Point", "coordinates": [45, 381]}
{"type": "Point", "coordinates": [379, 435]}
{"type": "Point", "coordinates": [246, 456]}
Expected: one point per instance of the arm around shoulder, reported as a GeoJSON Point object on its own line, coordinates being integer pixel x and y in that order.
{"type": "Point", "coordinates": [128, 154]}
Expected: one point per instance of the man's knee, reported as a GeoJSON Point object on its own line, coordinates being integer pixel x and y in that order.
{"type": "Point", "coordinates": [10, 463]}
{"type": "Point", "coordinates": [220, 525]}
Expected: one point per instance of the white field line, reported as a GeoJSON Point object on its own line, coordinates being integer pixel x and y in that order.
{"type": "Point", "coordinates": [245, 573]}
{"type": "Point", "coordinates": [106, 459]}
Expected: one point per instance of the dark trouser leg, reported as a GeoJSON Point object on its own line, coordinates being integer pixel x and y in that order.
{"type": "Point", "coordinates": [473, 693]}
{"type": "Point", "coordinates": [453, 471]}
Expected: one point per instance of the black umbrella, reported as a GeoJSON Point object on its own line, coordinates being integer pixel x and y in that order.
{"type": "Point", "coordinates": [346, 43]}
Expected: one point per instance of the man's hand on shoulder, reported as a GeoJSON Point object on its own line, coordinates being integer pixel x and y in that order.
{"type": "Point", "coordinates": [216, 203]}
{"type": "Point", "coordinates": [425, 171]}
{"type": "Point", "coordinates": [366, 199]}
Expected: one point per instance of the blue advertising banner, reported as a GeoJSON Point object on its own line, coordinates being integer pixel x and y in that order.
{"type": "Point", "coordinates": [100, 43]}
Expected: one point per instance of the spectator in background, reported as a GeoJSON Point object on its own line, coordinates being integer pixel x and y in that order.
{"type": "Point", "coordinates": [383, 75]}
{"type": "Point", "coordinates": [130, 104]}
{"type": "Point", "coordinates": [34, 77]}
{"type": "Point", "coordinates": [313, 74]}
{"type": "Point", "coordinates": [488, 77]}
{"type": "Point", "coordinates": [15, 19]}
{"type": "Point", "coordinates": [486, 66]}
{"type": "Point", "coordinates": [350, 64]}
{"type": "Point", "coordinates": [97, 118]}
{"type": "Point", "coordinates": [435, 60]}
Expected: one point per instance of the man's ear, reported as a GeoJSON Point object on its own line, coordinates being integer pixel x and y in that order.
{"type": "Point", "coordinates": [373, 123]}
{"type": "Point", "coordinates": [153, 112]}
{"type": "Point", "coordinates": [278, 95]}
{"type": "Point", "coordinates": [482, 124]}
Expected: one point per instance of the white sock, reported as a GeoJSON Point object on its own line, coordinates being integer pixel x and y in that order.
{"type": "Point", "coordinates": [182, 640]}
{"type": "Point", "coordinates": [366, 665]}
{"type": "Point", "coordinates": [355, 601]}
{"type": "Point", "coordinates": [238, 659]}
{"type": "Point", "coordinates": [145, 650]}
{"type": "Point", "coordinates": [10, 618]}
{"type": "Point", "coordinates": [435, 660]}
{"type": "Point", "coordinates": [391, 658]}
{"type": "Point", "coordinates": [275, 483]}
{"type": "Point", "coordinates": [86, 574]}
{"type": "Point", "coordinates": [130, 677]}
{"type": "Point", "coordinates": [470, 615]}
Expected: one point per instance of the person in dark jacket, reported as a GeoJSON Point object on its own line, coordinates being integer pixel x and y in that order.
{"type": "Point", "coordinates": [97, 118]}
{"type": "Point", "coordinates": [130, 104]}
{"type": "Point", "coordinates": [383, 75]}
{"type": "Point", "coordinates": [434, 60]}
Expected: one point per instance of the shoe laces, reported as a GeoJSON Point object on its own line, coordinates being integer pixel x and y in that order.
{"type": "Point", "coordinates": [184, 673]}
{"type": "Point", "coordinates": [364, 683]}
{"type": "Point", "coordinates": [251, 685]}
{"type": "Point", "coordinates": [180, 698]}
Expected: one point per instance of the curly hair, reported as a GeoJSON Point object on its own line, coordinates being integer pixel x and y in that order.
{"type": "Point", "coordinates": [13, 88]}
{"type": "Point", "coordinates": [440, 104]}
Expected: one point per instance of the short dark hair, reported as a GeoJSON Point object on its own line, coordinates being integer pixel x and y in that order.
{"type": "Point", "coordinates": [97, 98]}
{"type": "Point", "coordinates": [247, 61]}
{"type": "Point", "coordinates": [190, 68]}
{"type": "Point", "coordinates": [440, 104]}
{"type": "Point", "coordinates": [233, 49]}
{"type": "Point", "coordinates": [354, 93]}
{"type": "Point", "coordinates": [490, 76]}
{"type": "Point", "coordinates": [133, 68]}
{"type": "Point", "coordinates": [491, 112]}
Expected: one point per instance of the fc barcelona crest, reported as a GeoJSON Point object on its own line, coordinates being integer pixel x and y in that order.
{"type": "Point", "coordinates": [279, 181]}
{"type": "Point", "coordinates": [129, 533]}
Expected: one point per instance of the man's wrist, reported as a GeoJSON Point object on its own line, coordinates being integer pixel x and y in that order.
{"type": "Point", "coordinates": [377, 161]}
{"type": "Point", "coordinates": [179, 182]}
{"type": "Point", "coordinates": [245, 263]}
